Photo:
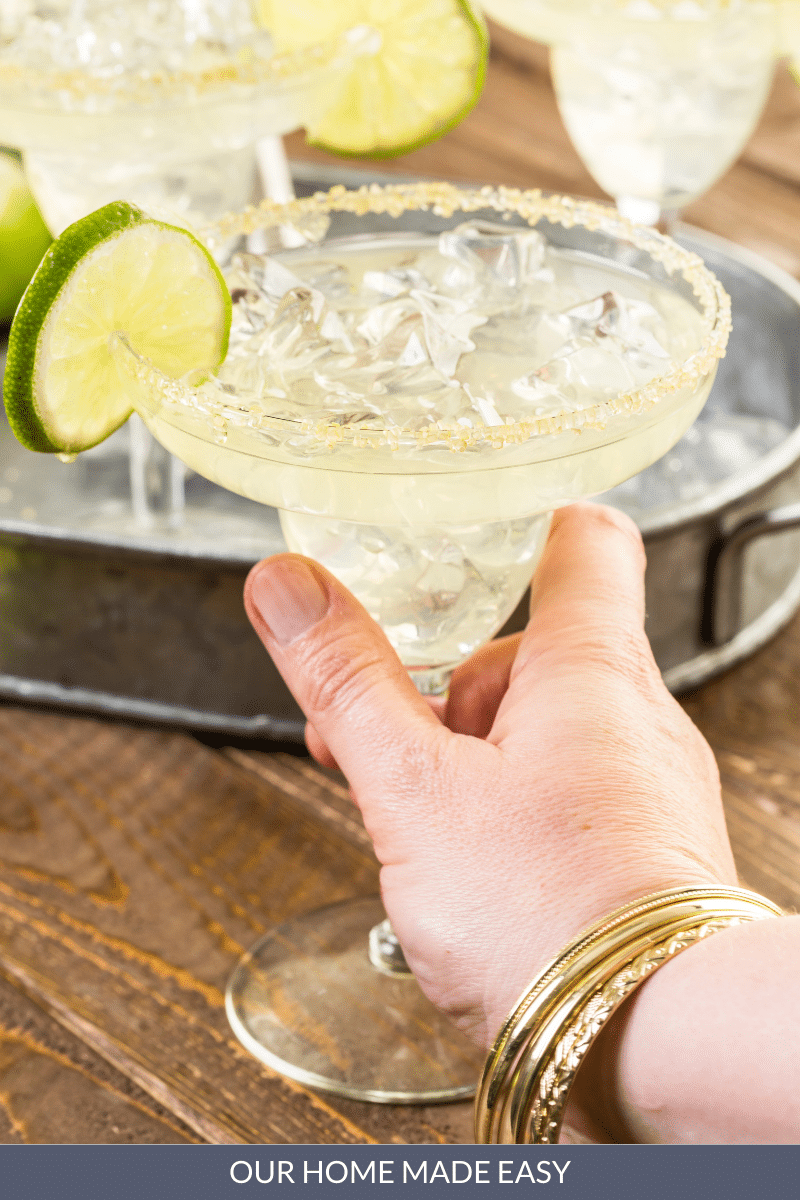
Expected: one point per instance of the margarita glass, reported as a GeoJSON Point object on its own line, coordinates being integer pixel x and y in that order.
{"type": "Point", "coordinates": [658, 96]}
{"type": "Point", "coordinates": [416, 402]}
{"type": "Point", "coordinates": [159, 104]}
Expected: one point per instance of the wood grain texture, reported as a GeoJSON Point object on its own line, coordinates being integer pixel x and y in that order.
{"type": "Point", "coordinates": [135, 867]}
{"type": "Point", "coordinates": [751, 718]}
{"type": "Point", "coordinates": [53, 1088]}
{"type": "Point", "coordinates": [323, 794]}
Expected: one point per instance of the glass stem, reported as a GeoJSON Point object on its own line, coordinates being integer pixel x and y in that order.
{"type": "Point", "coordinates": [385, 951]}
{"type": "Point", "coordinates": [156, 479]}
{"type": "Point", "coordinates": [640, 211]}
{"type": "Point", "coordinates": [277, 184]}
{"type": "Point", "coordinates": [648, 212]}
{"type": "Point", "coordinates": [431, 681]}
{"type": "Point", "coordinates": [273, 169]}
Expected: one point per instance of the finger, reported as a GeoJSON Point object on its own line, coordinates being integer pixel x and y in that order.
{"type": "Point", "coordinates": [318, 750]}
{"type": "Point", "coordinates": [587, 609]}
{"type": "Point", "coordinates": [478, 686]}
{"type": "Point", "coordinates": [592, 569]}
{"type": "Point", "coordinates": [438, 706]}
{"type": "Point", "coordinates": [341, 669]}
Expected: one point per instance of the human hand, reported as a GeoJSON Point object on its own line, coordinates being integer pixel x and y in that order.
{"type": "Point", "coordinates": [564, 780]}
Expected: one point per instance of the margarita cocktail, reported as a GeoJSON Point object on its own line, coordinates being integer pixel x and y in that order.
{"type": "Point", "coordinates": [170, 105]}
{"type": "Point", "coordinates": [659, 96]}
{"type": "Point", "coordinates": [416, 405]}
{"type": "Point", "coordinates": [160, 104]}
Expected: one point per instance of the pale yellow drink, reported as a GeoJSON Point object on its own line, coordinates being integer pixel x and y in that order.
{"type": "Point", "coordinates": [160, 104]}
{"type": "Point", "coordinates": [658, 96]}
{"type": "Point", "coordinates": [417, 407]}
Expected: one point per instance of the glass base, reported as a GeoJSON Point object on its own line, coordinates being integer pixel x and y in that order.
{"type": "Point", "coordinates": [307, 1001]}
{"type": "Point", "coordinates": [640, 211]}
{"type": "Point", "coordinates": [648, 212]}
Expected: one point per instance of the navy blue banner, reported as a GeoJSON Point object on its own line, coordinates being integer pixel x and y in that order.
{"type": "Point", "coordinates": [247, 1172]}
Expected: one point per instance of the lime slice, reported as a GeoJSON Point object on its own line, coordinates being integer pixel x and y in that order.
{"type": "Point", "coordinates": [116, 270]}
{"type": "Point", "coordinates": [426, 73]}
{"type": "Point", "coordinates": [24, 237]}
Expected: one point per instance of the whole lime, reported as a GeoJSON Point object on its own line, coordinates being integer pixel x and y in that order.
{"type": "Point", "coordinates": [24, 237]}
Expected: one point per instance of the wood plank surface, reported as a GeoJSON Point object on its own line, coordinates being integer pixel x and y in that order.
{"type": "Point", "coordinates": [54, 1088]}
{"type": "Point", "coordinates": [751, 718]}
{"type": "Point", "coordinates": [135, 868]}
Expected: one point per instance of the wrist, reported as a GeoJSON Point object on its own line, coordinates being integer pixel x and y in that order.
{"type": "Point", "coordinates": [521, 953]}
{"type": "Point", "coordinates": [544, 1043]}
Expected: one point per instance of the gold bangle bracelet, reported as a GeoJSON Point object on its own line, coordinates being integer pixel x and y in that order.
{"type": "Point", "coordinates": [534, 1060]}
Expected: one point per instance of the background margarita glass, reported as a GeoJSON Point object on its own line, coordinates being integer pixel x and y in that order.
{"type": "Point", "coordinates": [658, 96]}
{"type": "Point", "coordinates": [470, 495]}
{"type": "Point", "coordinates": [159, 104]}
{"type": "Point", "coordinates": [171, 106]}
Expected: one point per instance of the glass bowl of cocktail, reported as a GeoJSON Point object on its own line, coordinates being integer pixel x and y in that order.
{"type": "Point", "coordinates": [169, 106]}
{"type": "Point", "coordinates": [660, 96]}
{"type": "Point", "coordinates": [159, 104]}
{"type": "Point", "coordinates": [416, 388]}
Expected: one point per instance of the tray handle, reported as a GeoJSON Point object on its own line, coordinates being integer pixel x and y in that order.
{"type": "Point", "coordinates": [722, 600]}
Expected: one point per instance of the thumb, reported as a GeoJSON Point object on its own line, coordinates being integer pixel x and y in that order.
{"type": "Point", "coordinates": [340, 668]}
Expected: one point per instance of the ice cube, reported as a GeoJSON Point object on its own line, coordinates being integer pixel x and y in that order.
{"type": "Point", "coordinates": [330, 278]}
{"type": "Point", "coordinates": [276, 280]}
{"type": "Point", "coordinates": [244, 273]}
{"type": "Point", "coordinates": [536, 388]}
{"type": "Point", "coordinates": [381, 320]}
{"type": "Point", "coordinates": [484, 405]}
{"type": "Point", "coordinates": [252, 307]}
{"type": "Point", "coordinates": [333, 330]}
{"type": "Point", "coordinates": [586, 319]}
{"type": "Point", "coordinates": [289, 342]}
{"type": "Point", "coordinates": [594, 350]}
{"type": "Point", "coordinates": [512, 257]}
{"type": "Point", "coordinates": [633, 322]}
{"type": "Point", "coordinates": [442, 582]}
{"type": "Point", "coordinates": [448, 322]}
{"type": "Point", "coordinates": [259, 284]}
{"type": "Point", "coordinates": [582, 373]}
{"type": "Point", "coordinates": [414, 352]}
{"type": "Point", "coordinates": [395, 282]}
{"type": "Point", "coordinates": [449, 276]}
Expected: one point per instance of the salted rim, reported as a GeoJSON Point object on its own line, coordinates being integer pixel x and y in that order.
{"type": "Point", "coordinates": [144, 88]}
{"type": "Point", "coordinates": [444, 199]}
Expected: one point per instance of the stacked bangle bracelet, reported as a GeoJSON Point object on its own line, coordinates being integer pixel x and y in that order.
{"type": "Point", "coordinates": [535, 1058]}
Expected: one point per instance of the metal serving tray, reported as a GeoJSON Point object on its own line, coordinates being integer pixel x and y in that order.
{"type": "Point", "coordinates": [102, 614]}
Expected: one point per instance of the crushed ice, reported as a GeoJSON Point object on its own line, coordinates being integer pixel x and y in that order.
{"type": "Point", "coordinates": [482, 325]}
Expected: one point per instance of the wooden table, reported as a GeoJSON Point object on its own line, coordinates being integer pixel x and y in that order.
{"type": "Point", "coordinates": [135, 865]}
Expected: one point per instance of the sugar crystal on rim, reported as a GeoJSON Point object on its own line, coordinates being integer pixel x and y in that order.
{"type": "Point", "coordinates": [327, 428]}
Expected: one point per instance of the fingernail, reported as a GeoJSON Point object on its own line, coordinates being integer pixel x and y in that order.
{"type": "Point", "coordinates": [289, 598]}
